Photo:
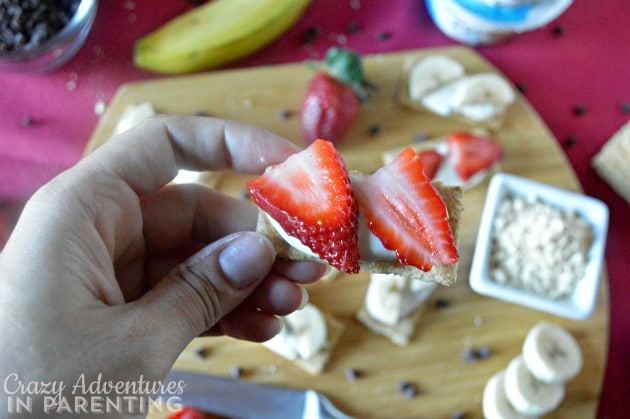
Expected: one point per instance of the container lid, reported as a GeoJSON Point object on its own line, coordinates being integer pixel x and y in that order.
{"type": "Point", "coordinates": [517, 18]}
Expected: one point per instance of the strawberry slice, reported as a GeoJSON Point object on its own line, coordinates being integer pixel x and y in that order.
{"type": "Point", "coordinates": [310, 196]}
{"type": "Point", "coordinates": [187, 413]}
{"type": "Point", "coordinates": [471, 154]}
{"type": "Point", "coordinates": [407, 213]}
{"type": "Point", "coordinates": [431, 161]}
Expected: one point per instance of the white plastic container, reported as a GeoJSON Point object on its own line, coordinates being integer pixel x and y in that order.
{"type": "Point", "coordinates": [482, 22]}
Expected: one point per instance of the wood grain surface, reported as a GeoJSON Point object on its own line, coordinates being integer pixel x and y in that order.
{"type": "Point", "coordinates": [433, 361]}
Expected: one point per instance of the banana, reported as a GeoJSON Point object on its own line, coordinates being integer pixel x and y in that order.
{"type": "Point", "coordinates": [431, 73]}
{"type": "Point", "coordinates": [551, 353]}
{"type": "Point", "coordinates": [390, 297]}
{"type": "Point", "coordinates": [215, 34]}
{"type": "Point", "coordinates": [481, 97]}
{"type": "Point", "coordinates": [495, 404]}
{"type": "Point", "coordinates": [528, 395]}
{"type": "Point", "coordinates": [304, 334]}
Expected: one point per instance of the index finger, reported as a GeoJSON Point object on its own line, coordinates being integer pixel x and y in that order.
{"type": "Point", "coordinates": [148, 156]}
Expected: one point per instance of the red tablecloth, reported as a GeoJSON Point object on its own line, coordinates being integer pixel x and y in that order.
{"type": "Point", "coordinates": [588, 65]}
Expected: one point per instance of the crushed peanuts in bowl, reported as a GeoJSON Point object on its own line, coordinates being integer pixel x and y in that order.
{"type": "Point", "coordinates": [540, 246]}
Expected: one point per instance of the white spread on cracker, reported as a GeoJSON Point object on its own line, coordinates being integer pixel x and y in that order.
{"type": "Point", "coordinates": [539, 248]}
{"type": "Point", "coordinates": [370, 247]}
{"type": "Point", "coordinates": [391, 298]}
{"type": "Point", "coordinates": [303, 336]}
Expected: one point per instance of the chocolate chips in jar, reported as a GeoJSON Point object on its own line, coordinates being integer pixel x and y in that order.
{"type": "Point", "coordinates": [26, 24]}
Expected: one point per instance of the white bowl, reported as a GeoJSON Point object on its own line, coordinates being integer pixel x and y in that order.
{"type": "Point", "coordinates": [581, 303]}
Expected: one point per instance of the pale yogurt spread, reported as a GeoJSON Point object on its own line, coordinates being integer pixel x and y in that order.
{"type": "Point", "coordinates": [304, 334]}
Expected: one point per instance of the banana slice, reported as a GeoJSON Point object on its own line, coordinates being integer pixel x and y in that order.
{"type": "Point", "coordinates": [495, 404]}
{"type": "Point", "coordinates": [481, 97]}
{"type": "Point", "coordinates": [551, 353]}
{"type": "Point", "coordinates": [303, 336]}
{"type": "Point", "coordinates": [431, 73]}
{"type": "Point", "coordinates": [528, 395]}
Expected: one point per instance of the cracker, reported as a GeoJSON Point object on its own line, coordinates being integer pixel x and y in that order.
{"type": "Point", "coordinates": [400, 333]}
{"type": "Point", "coordinates": [317, 363]}
{"type": "Point", "coordinates": [611, 162]}
{"type": "Point", "coordinates": [442, 274]}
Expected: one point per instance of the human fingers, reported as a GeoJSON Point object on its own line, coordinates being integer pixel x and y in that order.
{"type": "Point", "coordinates": [178, 215]}
{"type": "Point", "coordinates": [148, 156]}
{"type": "Point", "coordinates": [198, 293]}
{"type": "Point", "coordinates": [302, 271]}
{"type": "Point", "coordinates": [278, 296]}
{"type": "Point", "coordinates": [246, 322]}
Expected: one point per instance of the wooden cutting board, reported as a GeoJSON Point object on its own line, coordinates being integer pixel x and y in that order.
{"type": "Point", "coordinates": [433, 361]}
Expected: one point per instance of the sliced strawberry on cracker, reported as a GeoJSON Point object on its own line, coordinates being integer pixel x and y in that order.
{"type": "Point", "coordinates": [187, 413]}
{"type": "Point", "coordinates": [310, 196]}
{"type": "Point", "coordinates": [471, 154]}
{"type": "Point", "coordinates": [407, 213]}
{"type": "Point", "coordinates": [431, 161]}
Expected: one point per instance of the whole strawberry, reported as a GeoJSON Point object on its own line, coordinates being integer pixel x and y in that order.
{"type": "Point", "coordinates": [332, 101]}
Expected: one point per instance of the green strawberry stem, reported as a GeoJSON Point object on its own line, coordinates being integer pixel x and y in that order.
{"type": "Point", "coordinates": [345, 66]}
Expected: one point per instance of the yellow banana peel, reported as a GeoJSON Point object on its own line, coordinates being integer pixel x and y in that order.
{"type": "Point", "coordinates": [215, 34]}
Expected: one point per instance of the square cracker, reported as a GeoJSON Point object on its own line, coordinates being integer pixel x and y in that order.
{"type": "Point", "coordinates": [400, 333]}
{"type": "Point", "coordinates": [316, 364]}
{"type": "Point", "coordinates": [441, 274]}
{"type": "Point", "coordinates": [611, 162]}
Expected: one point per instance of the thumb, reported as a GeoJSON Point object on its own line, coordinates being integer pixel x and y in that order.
{"type": "Point", "coordinates": [198, 293]}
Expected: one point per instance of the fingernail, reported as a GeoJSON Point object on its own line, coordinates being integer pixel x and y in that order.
{"type": "Point", "coordinates": [247, 260]}
{"type": "Point", "coordinates": [304, 300]}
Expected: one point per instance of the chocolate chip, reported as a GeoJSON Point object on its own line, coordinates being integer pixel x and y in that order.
{"type": "Point", "coordinates": [442, 303]}
{"type": "Point", "coordinates": [202, 352]}
{"type": "Point", "coordinates": [284, 114]}
{"type": "Point", "coordinates": [28, 121]}
{"type": "Point", "coordinates": [558, 30]}
{"type": "Point", "coordinates": [351, 374]}
{"type": "Point", "coordinates": [408, 389]}
{"type": "Point", "coordinates": [374, 130]}
{"type": "Point", "coordinates": [420, 137]}
{"type": "Point", "coordinates": [310, 35]}
{"type": "Point", "coordinates": [579, 110]}
{"type": "Point", "coordinates": [471, 355]}
{"type": "Point", "coordinates": [383, 36]}
{"type": "Point", "coordinates": [236, 372]}
{"type": "Point", "coordinates": [483, 352]}
{"type": "Point", "coordinates": [570, 141]}
{"type": "Point", "coordinates": [625, 108]}
{"type": "Point", "coordinates": [354, 27]}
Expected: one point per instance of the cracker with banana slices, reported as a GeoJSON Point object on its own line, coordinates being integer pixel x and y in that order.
{"type": "Point", "coordinates": [400, 333]}
{"type": "Point", "coordinates": [317, 363]}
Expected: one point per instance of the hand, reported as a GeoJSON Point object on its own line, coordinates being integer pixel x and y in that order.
{"type": "Point", "coordinates": [111, 272]}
